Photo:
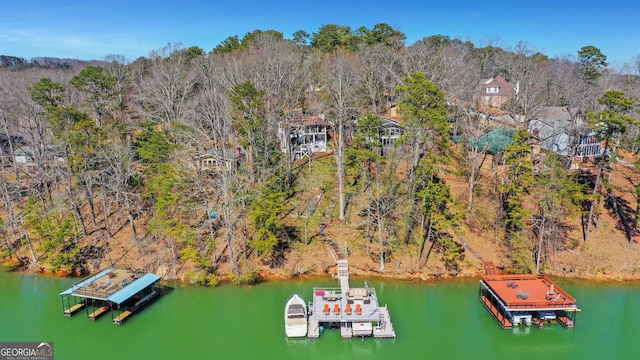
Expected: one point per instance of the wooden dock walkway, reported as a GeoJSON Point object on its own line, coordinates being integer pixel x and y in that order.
{"type": "Point", "coordinates": [539, 322]}
{"type": "Point", "coordinates": [345, 330]}
{"type": "Point", "coordinates": [504, 322]}
{"type": "Point", "coordinates": [313, 330]}
{"type": "Point", "coordinates": [490, 268]}
{"type": "Point", "coordinates": [74, 309]}
{"type": "Point", "coordinates": [385, 330]}
{"type": "Point", "coordinates": [343, 275]}
{"type": "Point", "coordinates": [98, 313]}
{"type": "Point", "coordinates": [565, 321]}
{"type": "Point", "coordinates": [122, 317]}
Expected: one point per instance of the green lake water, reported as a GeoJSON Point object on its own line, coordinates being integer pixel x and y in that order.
{"type": "Point", "coordinates": [432, 320]}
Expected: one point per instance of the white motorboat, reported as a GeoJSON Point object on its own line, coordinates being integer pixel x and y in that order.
{"type": "Point", "coordinates": [295, 317]}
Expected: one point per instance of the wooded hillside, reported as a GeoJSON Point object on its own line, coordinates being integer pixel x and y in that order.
{"type": "Point", "coordinates": [185, 162]}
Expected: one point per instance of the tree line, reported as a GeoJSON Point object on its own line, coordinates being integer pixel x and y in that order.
{"type": "Point", "coordinates": [112, 148]}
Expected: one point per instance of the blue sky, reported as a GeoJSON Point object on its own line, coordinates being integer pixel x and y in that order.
{"type": "Point", "coordinates": [92, 29]}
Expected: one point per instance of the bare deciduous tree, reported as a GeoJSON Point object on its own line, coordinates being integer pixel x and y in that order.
{"type": "Point", "coordinates": [340, 79]}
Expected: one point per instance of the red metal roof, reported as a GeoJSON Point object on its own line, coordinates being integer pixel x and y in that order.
{"type": "Point", "coordinates": [529, 292]}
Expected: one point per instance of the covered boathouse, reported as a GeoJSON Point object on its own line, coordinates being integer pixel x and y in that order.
{"type": "Point", "coordinates": [121, 292]}
{"type": "Point", "coordinates": [527, 299]}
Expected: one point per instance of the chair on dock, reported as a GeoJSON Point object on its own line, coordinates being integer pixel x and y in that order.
{"type": "Point", "coordinates": [336, 309]}
{"type": "Point", "coordinates": [348, 309]}
{"type": "Point", "coordinates": [358, 309]}
{"type": "Point", "coordinates": [326, 309]}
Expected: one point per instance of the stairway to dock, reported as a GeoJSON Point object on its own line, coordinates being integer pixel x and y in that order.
{"type": "Point", "coordinates": [490, 268]}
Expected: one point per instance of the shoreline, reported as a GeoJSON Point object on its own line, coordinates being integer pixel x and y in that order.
{"type": "Point", "coordinates": [271, 276]}
{"type": "Point", "coordinates": [267, 277]}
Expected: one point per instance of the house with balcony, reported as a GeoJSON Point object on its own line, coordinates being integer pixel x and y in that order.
{"type": "Point", "coordinates": [563, 130]}
{"type": "Point", "coordinates": [390, 132]}
{"type": "Point", "coordinates": [304, 135]}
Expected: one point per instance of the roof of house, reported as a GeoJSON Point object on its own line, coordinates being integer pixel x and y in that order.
{"type": "Point", "coordinates": [557, 113]}
{"type": "Point", "coordinates": [389, 122]}
{"type": "Point", "coordinates": [506, 88]}
{"type": "Point", "coordinates": [309, 120]}
{"type": "Point", "coordinates": [558, 118]}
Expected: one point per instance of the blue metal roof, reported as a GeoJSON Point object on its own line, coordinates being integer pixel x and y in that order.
{"type": "Point", "coordinates": [133, 288]}
{"type": "Point", "coordinates": [85, 282]}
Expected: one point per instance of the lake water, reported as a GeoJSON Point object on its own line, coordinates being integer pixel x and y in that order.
{"type": "Point", "coordinates": [435, 320]}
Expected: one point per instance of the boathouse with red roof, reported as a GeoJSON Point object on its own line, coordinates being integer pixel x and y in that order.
{"type": "Point", "coordinates": [526, 299]}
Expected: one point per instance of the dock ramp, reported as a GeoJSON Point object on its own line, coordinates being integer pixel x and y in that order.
{"type": "Point", "coordinates": [343, 275]}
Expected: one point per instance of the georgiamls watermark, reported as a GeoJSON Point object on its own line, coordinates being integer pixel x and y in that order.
{"type": "Point", "coordinates": [26, 351]}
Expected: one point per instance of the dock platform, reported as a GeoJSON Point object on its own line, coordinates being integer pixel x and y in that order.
{"type": "Point", "coordinates": [345, 330]}
{"type": "Point", "coordinates": [354, 310]}
{"type": "Point", "coordinates": [386, 331]}
{"type": "Point", "coordinates": [118, 320]}
{"type": "Point", "coordinates": [528, 299]}
{"type": "Point", "coordinates": [565, 321]}
{"type": "Point", "coordinates": [99, 312]}
{"type": "Point", "coordinates": [313, 330]}
{"type": "Point", "coordinates": [119, 291]}
{"type": "Point", "coordinates": [74, 309]}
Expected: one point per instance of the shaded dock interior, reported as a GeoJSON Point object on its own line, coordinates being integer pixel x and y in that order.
{"type": "Point", "coordinates": [527, 300]}
{"type": "Point", "coordinates": [119, 292]}
{"type": "Point", "coordinates": [355, 311]}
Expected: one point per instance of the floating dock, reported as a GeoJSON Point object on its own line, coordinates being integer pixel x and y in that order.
{"type": "Point", "coordinates": [74, 309]}
{"type": "Point", "coordinates": [121, 292]}
{"type": "Point", "coordinates": [355, 311]}
{"type": "Point", "coordinates": [515, 300]}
